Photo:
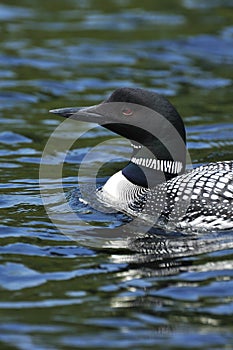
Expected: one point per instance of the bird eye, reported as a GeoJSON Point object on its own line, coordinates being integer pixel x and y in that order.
{"type": "Point", "coordinates": [127, 112]}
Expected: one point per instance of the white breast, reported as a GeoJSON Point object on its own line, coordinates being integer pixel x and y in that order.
{"type": "Point", "coordinates": [119, 190]}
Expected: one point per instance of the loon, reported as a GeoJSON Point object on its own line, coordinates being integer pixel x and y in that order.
{"type": "Point", "coordinates": [155, 185]}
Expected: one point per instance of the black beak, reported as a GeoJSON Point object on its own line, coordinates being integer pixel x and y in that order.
{"type": "Point", "coordinates": [86, 114]}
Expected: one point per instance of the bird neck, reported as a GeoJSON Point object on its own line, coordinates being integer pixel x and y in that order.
{"type": "Point", "coordinates": [148, 168]}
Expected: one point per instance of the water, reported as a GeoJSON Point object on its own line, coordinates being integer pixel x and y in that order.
{"type": "Point", "coordinates": [107, 288]}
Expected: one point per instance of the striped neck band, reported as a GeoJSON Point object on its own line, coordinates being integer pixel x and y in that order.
{"type": "Point", "coordinates": [167, 166]}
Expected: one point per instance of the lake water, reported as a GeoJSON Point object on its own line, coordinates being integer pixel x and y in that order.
{"type": "Point", "coordinates": [84, 279]}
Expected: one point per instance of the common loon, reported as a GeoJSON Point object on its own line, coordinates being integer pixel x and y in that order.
{"type": "Point", "coordinates": [154, 184]}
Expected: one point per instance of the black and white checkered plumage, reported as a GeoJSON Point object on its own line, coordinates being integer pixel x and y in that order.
{"type": "Point", "coordinates": [201, 198]}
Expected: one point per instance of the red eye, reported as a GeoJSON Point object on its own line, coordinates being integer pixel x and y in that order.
{"type": "Point", "coordinates": [127, 111]}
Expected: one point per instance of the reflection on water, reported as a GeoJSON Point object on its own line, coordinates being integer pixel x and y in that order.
{"type": "Point", "coordinates": [108, 285]}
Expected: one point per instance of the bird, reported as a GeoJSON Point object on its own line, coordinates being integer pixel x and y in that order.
{"type": "Point", "coordinates": [155, 184]}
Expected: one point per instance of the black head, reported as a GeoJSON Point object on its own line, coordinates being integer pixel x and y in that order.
{"type": "Point", "coordinates": [114, 116]}
{"type": "Point", "coordinates": [149, 120]}
{"type": "Point", "coordinates": [149, 99]}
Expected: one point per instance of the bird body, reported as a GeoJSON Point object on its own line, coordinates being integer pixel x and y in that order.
{"type": "Point", "coordinates": [154, 185]}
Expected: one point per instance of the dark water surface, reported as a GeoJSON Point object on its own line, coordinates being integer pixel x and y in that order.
{"type": "Point", "coordinates": [107, 288]}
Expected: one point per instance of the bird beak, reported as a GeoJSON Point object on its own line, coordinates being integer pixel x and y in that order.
{"type": "Point", "coordinates": [86, 114]}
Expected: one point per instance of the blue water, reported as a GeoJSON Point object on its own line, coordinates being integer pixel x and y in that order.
{"type": "Point", "coordinates": [90, 279]}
